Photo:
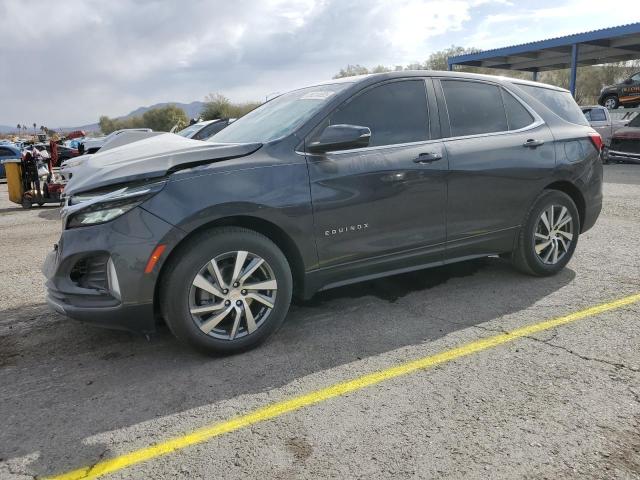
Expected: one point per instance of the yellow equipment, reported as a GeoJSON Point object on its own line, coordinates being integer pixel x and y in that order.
{"type": "Point", "coordinates": [13, 169]}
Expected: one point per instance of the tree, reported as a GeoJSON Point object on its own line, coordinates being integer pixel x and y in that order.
{"type": "Point", "coordinates": [19, 127]}
{"type": "Point", "coordinates": [351, 71]}
{"type": "Point", "coordinates": [34, 128]}
{"type": "Point", "coordinates": [163, 119]}
{"type": "Point", "coordinates": [218, 106]}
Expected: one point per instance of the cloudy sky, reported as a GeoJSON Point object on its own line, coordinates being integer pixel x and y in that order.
{"type": "Point", "coordinates": [65, 63]}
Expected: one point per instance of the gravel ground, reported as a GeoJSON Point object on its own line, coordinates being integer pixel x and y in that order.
{"type": "Point", "coordinates": [561, 404]}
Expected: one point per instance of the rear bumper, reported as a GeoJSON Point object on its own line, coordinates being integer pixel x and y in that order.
{"type": "Point", "coordinates": [96, 274]}
{"type": "Point", "coordinates": [618, 156]}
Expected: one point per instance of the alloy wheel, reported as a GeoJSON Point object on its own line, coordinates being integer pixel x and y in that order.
{"type": "Point", "coordinates": [554, 234]}
{"type": "Point", "coordinates": [232, 295]}
{"type": "Point", "coordinates": [610, 103]}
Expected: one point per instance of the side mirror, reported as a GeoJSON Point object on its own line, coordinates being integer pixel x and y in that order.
{"type": "Point", "coordinates": [341, 137]}
{"type": "Point", "coordinates": [628, 81]}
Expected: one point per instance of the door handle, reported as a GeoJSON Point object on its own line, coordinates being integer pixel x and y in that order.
{"type": "Point", "coordinates": [532, 143]}
{"type": "Point", "coordinates": [425, 158]}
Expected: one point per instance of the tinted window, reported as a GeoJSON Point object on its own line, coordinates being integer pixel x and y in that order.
{"type": "Point", "coordinates": [635, 122]}
{"type": "Point", "coordinates": [395, 112]}
{"type": "Point", "coordinates": [474, 108]}
{"type": "Point", "coordinates": [559, 102]}
{"type": "Point", "coordinates": [5, 152]}
{"type": "Point", "coordinates": [517, 116]}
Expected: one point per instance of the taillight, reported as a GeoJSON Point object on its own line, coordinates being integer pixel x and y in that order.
{"type": "Point", "coordinates": [596, 139]}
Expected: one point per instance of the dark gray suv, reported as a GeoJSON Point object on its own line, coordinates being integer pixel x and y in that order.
{"type": "Point", "coordinates": [320, 187]}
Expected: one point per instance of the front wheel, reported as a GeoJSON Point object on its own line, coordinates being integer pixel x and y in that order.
{"type": "Point", "coordinates": [549, 235]}
{"type": "Point", "coordinates": [226, 290]}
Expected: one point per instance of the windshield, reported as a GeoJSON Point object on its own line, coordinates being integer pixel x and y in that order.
{"type": "Point", "coordinates": [635, 122]}
{"type": "Point", "coordinates": [186, 132]}
{"type": "Point", "coordinates": [278, 117]}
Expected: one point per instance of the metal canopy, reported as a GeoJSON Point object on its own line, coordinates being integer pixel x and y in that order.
{"type": "Point", "coordinates": [607, 45]}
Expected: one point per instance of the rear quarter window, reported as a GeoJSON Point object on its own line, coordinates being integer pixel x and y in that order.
{"type": "Point", "coordinates": [559, 102]}
{"type": "Point", "coordinates": [474, 107]}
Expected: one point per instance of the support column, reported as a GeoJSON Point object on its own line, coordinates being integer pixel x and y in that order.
{"type": "Point", "coordinates": [534, 75]}
{"type": "Point", "coordinates": [450, 66]}
{"type": "Point", "coordinates": [574, 69]}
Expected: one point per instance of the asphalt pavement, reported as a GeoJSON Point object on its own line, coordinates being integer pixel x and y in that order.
{"type": "Point", "coordinates": [561, 403]}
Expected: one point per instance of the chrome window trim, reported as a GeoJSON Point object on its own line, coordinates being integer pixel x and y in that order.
{"type": "Point", "coordinates": [374, 148]}
{"type": "Point", "coordinates": [537, 119]}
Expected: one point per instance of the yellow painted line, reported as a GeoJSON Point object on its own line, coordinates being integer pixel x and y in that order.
{"type": "Point", "coordinates": [280, 408]}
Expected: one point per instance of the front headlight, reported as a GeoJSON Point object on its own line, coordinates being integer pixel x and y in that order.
{"type": "Point", "coordinates": [94, 208]}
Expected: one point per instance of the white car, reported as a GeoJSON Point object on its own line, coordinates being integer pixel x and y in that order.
{"type": "Point", "coordinates": [92, 145]}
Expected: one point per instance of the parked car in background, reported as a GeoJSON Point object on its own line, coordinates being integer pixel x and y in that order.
{"type": "Point", "coordinates": [625, 144]}
{"type": "Point", "coordinates": [626, 93]}
{"type": "Point", "coordinates": [70, 166]}
{"type": "Point", "coordinates": [8, 152]}
{"type": "Point", "coordinates": [92, 145]}
{"type": "Point", "coordinates": [602, 122]}
{"type": "Point", "coordinates": [65, 153]}
{"type": "Point", "coordinates": [205, 129]}
{"type": "Point", "coordinates": [324, 186]}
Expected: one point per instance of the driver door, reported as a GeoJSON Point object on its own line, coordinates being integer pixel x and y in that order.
{"type": "Point", "coordinates": [386, 200]}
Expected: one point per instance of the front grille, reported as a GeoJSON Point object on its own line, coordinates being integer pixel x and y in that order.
{"type": "Point", "coordinates": [625, 145]}
{"type": "Point", "coordinates": [91, 272]}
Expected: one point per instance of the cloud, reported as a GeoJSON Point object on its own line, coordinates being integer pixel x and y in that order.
{"type": "Point", "coordinates": [66, 63]}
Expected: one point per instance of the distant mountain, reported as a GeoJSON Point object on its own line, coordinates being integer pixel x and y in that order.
{"type": "Point", "coordinates": [192, 110]}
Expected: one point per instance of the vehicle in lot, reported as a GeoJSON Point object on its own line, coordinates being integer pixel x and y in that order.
{"type": "Point", "coordinates": [8, 152]}
{"type": "Point", "coordinates": [92, 145]}
{"type": "Point", "coordinates": [602, 122]}
{"type": "Point", "coordinates": [626, 93]}
{"type": "Point", "coordinates": [71, 165]}
{"type": "Point", "coordinates": [625, 144]}
{"type": "Point", "coordinates": [205, 129]}
{"type": "Point", "coordinates": [324, 186]}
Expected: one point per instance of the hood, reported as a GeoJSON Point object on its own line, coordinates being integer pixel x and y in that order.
{"type": "Point", "coordinates": [627, 132]}
{"type": "Point", "coordinates": [150, 158]}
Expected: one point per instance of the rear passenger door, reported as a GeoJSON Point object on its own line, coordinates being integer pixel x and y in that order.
{"type": "Point", "coordinates": [387, 198]}
{"type": "Point", "coordinates": [500, 154]}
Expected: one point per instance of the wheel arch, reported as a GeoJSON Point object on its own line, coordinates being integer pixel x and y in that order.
{"type": "Point", "coordinates": [575, 194]}
{"type": "Point", "coordinates": [270, 230]}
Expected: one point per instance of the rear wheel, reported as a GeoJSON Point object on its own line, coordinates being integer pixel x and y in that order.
{"type": "Point", "coordinates": [549, 235]}
{"type": "Point", "coordinates": [611, 102]}
{"type": "Point", "coordinates": [226, 290]}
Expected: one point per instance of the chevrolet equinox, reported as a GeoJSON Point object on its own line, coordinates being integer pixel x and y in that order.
{"type": "Point", "coordinates": [324, 186]}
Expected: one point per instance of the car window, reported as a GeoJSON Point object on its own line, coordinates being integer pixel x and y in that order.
{"type": "Point", "coordinates": [517, 115]}
{"type": "Point", "coordinates": [395, 112]}
{"type": "Point", "coordinates": [635, 122]}
{"type": "Point", "coordinates": [209, 130]}
{"type": "Point", "coordinates": [559, 102]}
{"type": "Point", "coordinates": [636, 77]}
{"type": "Point", "coordinates": [186, 132]}
{"type": "Point", "coordinates": [474, 107]}
{"type": "Point", "coordinates": [5, 152]}
{"type": "Point", "coordinates": [596, 115]}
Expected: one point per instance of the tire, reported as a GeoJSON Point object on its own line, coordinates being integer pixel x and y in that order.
{"type": "Point", "coordinates": [189, 269]}
{"type": "Point", "coordinates": [26, 204]}
{"type": "Point", "coordinates": [613, 102]}
{"type": "Point", "coordinates": [529, 257]}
